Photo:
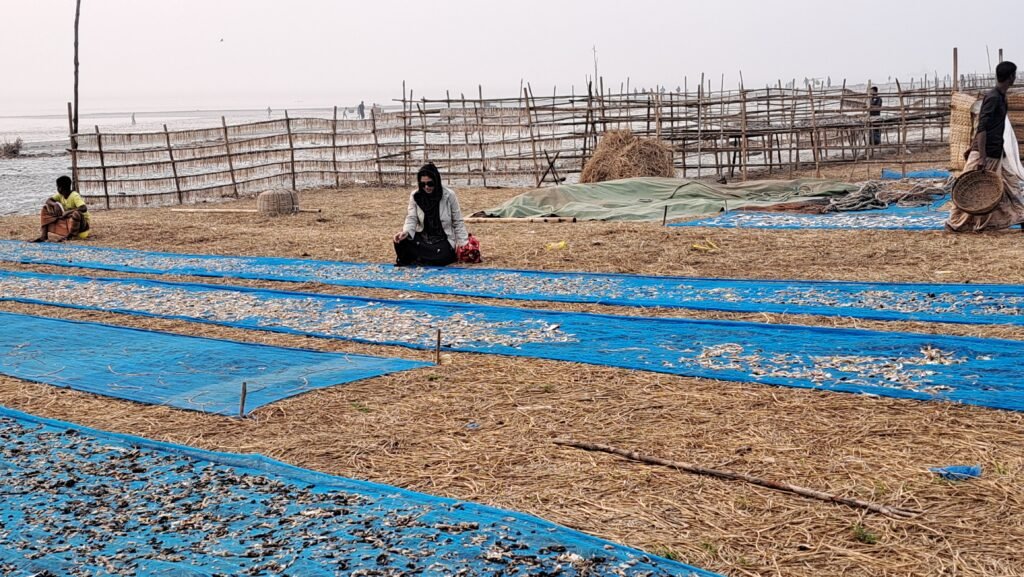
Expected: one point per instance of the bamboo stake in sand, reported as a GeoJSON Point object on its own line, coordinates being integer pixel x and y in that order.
{"type": "Point", "coordinates": [241, 401]}
{"type": "Point", "coordinates": [895, 512]}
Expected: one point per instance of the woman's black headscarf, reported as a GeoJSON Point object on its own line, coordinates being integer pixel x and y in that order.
{"type": "Point", "coordinates": [430, 203]}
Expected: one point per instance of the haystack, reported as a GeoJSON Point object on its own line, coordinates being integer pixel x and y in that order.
{"type": "Point", "coordinates": [620, 154]}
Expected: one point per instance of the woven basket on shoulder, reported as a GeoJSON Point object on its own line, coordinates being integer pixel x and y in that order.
{"type": "Point", "coordinates": [1015, 100]}
{"type": "Point", "coordinates": [277, 202]}
{"type": "Point", "coordinates": [961, 128]}
{"type": "Point", "coordinates": [978, 191]}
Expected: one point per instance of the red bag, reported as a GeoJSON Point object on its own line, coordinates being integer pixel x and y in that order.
{"type": "Point", "coordinates": [469, 253]}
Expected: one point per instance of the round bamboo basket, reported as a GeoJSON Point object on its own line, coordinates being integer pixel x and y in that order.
{"type": "Point", "coordinates": [978, 191]}
{"type": "Point", "coordinates": [277, 202]}
{"type": "Point", "coordinates": [963, 100]}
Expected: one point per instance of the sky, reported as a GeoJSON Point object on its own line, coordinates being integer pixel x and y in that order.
{"type": "Point", "coordinates": [149, 55]}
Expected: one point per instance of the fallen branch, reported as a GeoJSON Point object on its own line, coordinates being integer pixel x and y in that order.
{"type": "Point", "coordinates": [233, 210]}
{"type": "Point", "coordinates": [535, 219]}
{"type": "Point", "coordinates": [896, 512]}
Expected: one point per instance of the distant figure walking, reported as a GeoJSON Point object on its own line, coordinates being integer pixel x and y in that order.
{"type": "Point", "coordinates": [133, 119]}
{"type": "Point", "coordinates": [361, 110]}
{"type": "Point", "coordinates": [268, 112]}
{"type": "Point", "coordinates": [875, 112]}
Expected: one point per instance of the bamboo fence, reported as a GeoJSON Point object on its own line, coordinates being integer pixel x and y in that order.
{"type": "Point", "coordinates": [517, 141]}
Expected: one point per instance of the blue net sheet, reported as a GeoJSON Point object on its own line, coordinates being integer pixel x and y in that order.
{"type": "Point", "coordinates": [194, 373]}
{"type": "Point", "coordinates": [892, 218]}
{"type": "Point", "coordinates": [956, 303]}
{"type": "Point", "coordinates": [83, 502]}
{"type": "Point", "coordinates": [931, 173]}
{"type": "Point", "coordinates": [984, 372]}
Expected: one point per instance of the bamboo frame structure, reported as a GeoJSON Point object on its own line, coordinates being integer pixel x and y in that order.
{"type": "Point", "coordinates": [501, 141]}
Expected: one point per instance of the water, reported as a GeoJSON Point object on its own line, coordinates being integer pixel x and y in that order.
{"type": "Point", "coordinates": [27, 180]}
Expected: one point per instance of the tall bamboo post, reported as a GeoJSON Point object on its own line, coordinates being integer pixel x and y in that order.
{"type": "Point", "coordinates": [423, 125]}
{"type": "Point", "coordinates": [869, 143]}
{"type": "Point", "coordinates": [376, 146]}
{"type": "Point", "coordinates": [405, 135]}
{"type": "Point", "coordinates": [480, 135]}
{"type": "Point", "coordinates": [956, 74]}
{"type": "Point", "coordinates": [73, 138]}
{"type": "Point", "coordinates": [74, 123]}
{"type": "Point", "coordinates": [465, 137]}
{"type": "Point", "coordinates": [533, 141]}
{"type": "Point", "coordinates": [334, 147]}
{"type": "Point", "coordinates": [743, 136]}
{"type": "Point", "coordinates": [103, 166]}
{"type": "Point", "coordinates": [700, 126]}
{"type": "Point", "coordinates": [815, 151]}
{"type": "Point", "coordinates": [227, 152]}
{"type": "Point", "coordinates": [174, 166]}
{"type": "Point", "coordinates": [903, 131]}
{"type": "Point", "coordinates": [291, 146]}
{"type": "Point", "coordinates": [792, 131]}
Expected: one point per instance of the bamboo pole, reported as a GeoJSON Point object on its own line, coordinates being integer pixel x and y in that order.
{"type": "Point", "coordinates": [533, 140]}
{"type": "Point", "coordinates": [903, 131]}
{"type": "Point", "coordinates": [956, 74]}
{"type": "Point", "coordinates": [744, 151]}
{"type": "Point", "coordinates": [103, 166]}
{"type": "Point", "coordinates": [376, 146]}
{"type": "Point", "coordinates": [234, 210]}
{"type": "Point", "coordinates": [227, 151]}
{"type": "Point", "coordinates": [291, 146]}
{"type": "Point", "coordinates": [174, 166]}
{"type": "Point", "coordinates": [334, 147]}
{"type": "Point", "coordinates": [815, 150]}
{"type": "Point", "coordinates": [889, 511]}
{"type": "Point", "coordinates": [480, 136]}
{"type": "Point", "coordinates": [73, 139]}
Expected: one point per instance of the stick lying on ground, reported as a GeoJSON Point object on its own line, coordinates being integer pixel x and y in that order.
{"type": "Point", "coordinates": [533, 219]}
{"type": "Point", "coordinates": [895, 512]}
{"type": "Point", "coordinates": [233, 210]}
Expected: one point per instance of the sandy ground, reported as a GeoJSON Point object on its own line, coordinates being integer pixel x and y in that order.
{"type": "Point", "coordinates": [411, 429]}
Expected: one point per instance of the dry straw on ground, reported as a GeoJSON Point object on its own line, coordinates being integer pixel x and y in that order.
{"type": "Point", "coordinates": [621, 154]}
{"type": "Point", "coordinates": [481, 427]}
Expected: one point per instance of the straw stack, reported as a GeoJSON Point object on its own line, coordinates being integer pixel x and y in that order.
{"type": "Point", "coordinates": [621, 154]}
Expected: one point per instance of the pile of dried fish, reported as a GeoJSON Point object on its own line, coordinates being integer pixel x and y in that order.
{"type": "Point", "coordinates": [79, 505]}
{"type": "Point", "coordinates": [923, 219]}
{"type": "Point", "coordinates": [368, 321]}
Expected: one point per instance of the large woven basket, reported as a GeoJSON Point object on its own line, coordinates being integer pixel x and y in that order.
{"type": "Point", "coordinates": [1015, 100]}
{"type": "Point", "coordinates": [961, 128]}
{"type": "Point", "coordinates": [1017, 120]}
{"type": "Point", "coordinates": [277, 202]}
{"type": "Point", "coordinates": [978, 191]}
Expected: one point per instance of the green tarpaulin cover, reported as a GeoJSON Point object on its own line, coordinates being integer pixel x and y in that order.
{"type": "Point", "coordinates": [646, 198]}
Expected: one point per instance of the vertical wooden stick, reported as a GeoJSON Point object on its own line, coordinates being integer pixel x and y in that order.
{"type": "Point", "coordinates": [664, 217]}
{"type": "Point", "coordinates": [334, 147]}
{"type": "Point", "coordinates": [376, 146]}
{"type": "Point", "coordinates": [103, 166]}
{"type": "Point", "coordinates": [241, 400]}
{"type": "Point", "coordinates": [437, 349]}
{"type": "Point", "coordinates": [174, 166]}
{"type": "Point", "coordinates": [903, 131]}
{"type": "Point", "coordinates": [480, 135]}
{"type": "Point", "coordinates": [956, 73]}
{"type": "Point", "coordinates": [227, 151]}
{"type": "Point", "coordinates": [73, 138]}
{"type": "Point", "coordinates": [533, 142]}
{"type": "Point", "coordinates": [291, 145]}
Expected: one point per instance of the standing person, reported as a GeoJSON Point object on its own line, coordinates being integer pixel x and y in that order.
{"type": "Point", "coordinates": [433, 228]}
{"type": "Point", "coordinates": [361, 110]}
{"type": "Point", "coordinates": [65, 215]}
{"type": "Point", "coordinates": [875, 112]}
{"type": "Point", "coordinates": [988, 153]}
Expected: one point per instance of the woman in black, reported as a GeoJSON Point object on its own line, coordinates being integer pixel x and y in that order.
{"type": "Point", "coordinates": [433, 228]}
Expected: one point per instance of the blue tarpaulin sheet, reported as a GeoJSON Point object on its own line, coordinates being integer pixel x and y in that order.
{"type": "Point", "coordinates": [892, 218]}
{"type": "Point", "coordinates": [956, 303]}
{"type": "Point", "coordinates": [984, 372]}
{"type": "Point", "coordinates": [933, 173]}
{"type": "Point", "coordinates": [83, 502]}
{"type": "Point", "coordinates": [194, 373]}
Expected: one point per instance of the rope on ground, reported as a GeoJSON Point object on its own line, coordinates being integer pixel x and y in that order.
{"type": "Point", "coordinates": [894, 512]}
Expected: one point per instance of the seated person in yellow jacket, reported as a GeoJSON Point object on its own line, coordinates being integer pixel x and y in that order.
{"type": "Point", "coordinates": [64, 216]}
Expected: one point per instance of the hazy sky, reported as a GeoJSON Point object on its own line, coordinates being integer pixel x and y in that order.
{"type": "Point", "coordinates": [143, 55]}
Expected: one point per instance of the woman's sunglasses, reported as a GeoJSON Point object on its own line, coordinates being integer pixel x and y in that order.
{"type": "Point", "coordinates": [429, 184]}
